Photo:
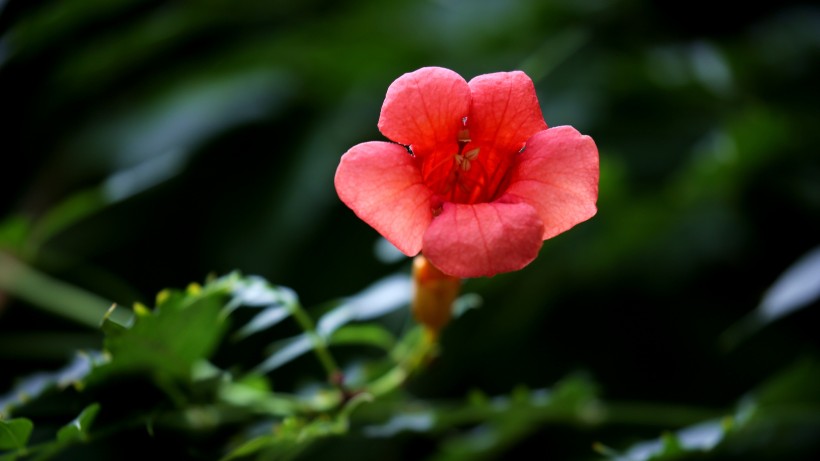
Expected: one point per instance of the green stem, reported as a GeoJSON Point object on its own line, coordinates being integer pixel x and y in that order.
{"type": "Point", "coordinates": [319, 344]}
{"type": "Point", "coordinates": [388, 382]}
{"type": "Point", "coordinates": [424, 345]}
{"type": "Point", "coordinates": [52, 295]}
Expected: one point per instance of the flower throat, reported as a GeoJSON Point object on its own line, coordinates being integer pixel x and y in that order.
{"type": "Point", "coordinates": [464, 172]}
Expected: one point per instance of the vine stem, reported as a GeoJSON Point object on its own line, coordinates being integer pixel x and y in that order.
{"type": "Point", "coordinates": [425, 346]}
{"type": "Point", "coordinates": [319, 343]}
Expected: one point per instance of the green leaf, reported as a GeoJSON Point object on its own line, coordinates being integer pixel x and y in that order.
{"type": "Point", "coordinates": [277, 303]}
{"type": "Point", "coordinates": [795, 289]}
{"type": "Point", "coordinates": [365, 334]}
{"type": "Point", "coordinates": [289, 438]}
{"type": "Point", "coordinates": [45, 292]}
{"type": "Point", "coordinates": [699, 438]}
{"type": "Point", "coordinates": [380, 298]}
{"type": "Point", "coordinates": [253, 393]}
{"type": "Point", "coordinates": [269, 317]}
{"type": "Point", "coordinates": [671, 445]}
{"type": "Point", "coordinates": [14, 433]}
{"type": "Point", "coordinates": [184, 328]}
{"type": "Point", "coordinates": [796, 384]}
{"type": "Point", "coordinates": [13, 232]}
{"type": "Point", "coordinates": [284, 351]}
{"type": "Point", "coordinates": [66, 213]}
{"type": "Point", "coordinates": [77, 429]}
{"type": "Point", "coordinates": [573, 394]}
{"type": "Point", "coordinates": [111, 325]}
{"type": "Point", "coordinates": [255, 291]}
{"type": "Point", "coordinates": [33, 386]}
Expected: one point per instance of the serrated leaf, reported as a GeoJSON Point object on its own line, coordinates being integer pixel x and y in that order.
{"type": "Point", "coordinates": [14, 433]}
{"type": "Point", "coordinates": [182, 330]}
{"type": "Point", "coordinates": [77, 429]}
{"type": "Point", "coordinates": [113, 324]}
{"type": "Point", "coordinates": [365, 334]}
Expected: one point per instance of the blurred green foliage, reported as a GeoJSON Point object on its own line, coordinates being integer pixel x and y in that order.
{"type": "Point", "coordinates": [147, 144]}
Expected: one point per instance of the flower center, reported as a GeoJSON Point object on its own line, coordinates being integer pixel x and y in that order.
{"type": "Point", "coordinates": [465, 172]}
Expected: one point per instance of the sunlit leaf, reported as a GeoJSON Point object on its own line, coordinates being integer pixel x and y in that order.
{"type": "Point", "coordinates": [78, 428]}
{"type": "Point", "coordinates": [465, 303]}
{"type": "Point", "coordinates": [419, 421]}
{"type": "Point", "coordinates": [783, 410]}
{"type": "Point", "coordinates": [255, 291]}
{"type": "Point", "coordinates": [14, 433]}
{"type": "Point", "coordinates": [796, 288]}
{"type": "Point", "coordinates": [31, 387]}
{"type": "Point", "coordinates": [383, 297]}
{"type": "Point", "coordinates": [269, 317]}
{"type": "Point", "coordinates": [285, 351]}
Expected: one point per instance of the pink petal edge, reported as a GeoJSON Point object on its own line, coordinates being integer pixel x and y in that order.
{"type": "Point", "coordinates": [558, 175]}
{"type": "Point", "coordinates": [505, 110]}
{"type": "Point", "coordinates": [425, 108]}
{"type": "Point", "coordinates": [382, 184]}
{"type": "Point", "coordinates": [483, 239]}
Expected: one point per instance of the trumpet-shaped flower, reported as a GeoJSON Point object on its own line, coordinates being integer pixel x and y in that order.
{"type": "Point", "coordinates": [474, 178]}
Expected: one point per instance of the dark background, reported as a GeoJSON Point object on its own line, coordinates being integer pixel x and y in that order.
{"type": "Point", "coordinates": [235, 114]}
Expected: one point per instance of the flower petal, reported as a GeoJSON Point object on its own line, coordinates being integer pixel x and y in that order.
{"type": "Point", "coordinates": [504, 111]}
{"type": "Point", "coordinates": [381, 183]}
{"type": "Point", "coordinates": [483, 239]}
{"type": "Point", "coordinates": [558, 175]}
{"type": "Point", "coordinates": [425, 108]}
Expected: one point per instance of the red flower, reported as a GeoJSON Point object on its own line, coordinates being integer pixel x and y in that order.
{"type": "Point", "coordinates": [484, 182]}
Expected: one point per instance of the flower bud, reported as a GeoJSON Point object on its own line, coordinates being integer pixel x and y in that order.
{"type": "Point", "coordinates": [433, 295]}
